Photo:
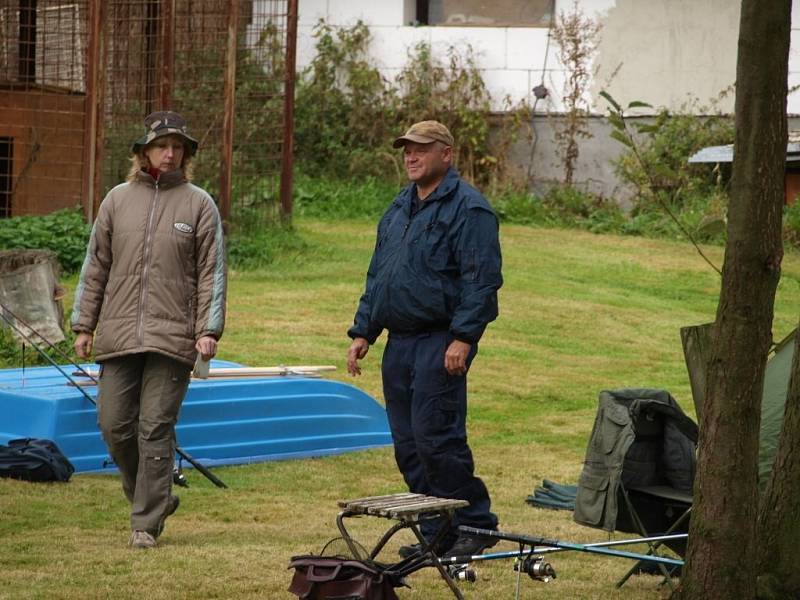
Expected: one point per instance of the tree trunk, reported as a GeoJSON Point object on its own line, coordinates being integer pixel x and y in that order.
{"type": "Point", "coordinates": [722, 534]}
{"type": "Point", "coordinates": [779, 518]}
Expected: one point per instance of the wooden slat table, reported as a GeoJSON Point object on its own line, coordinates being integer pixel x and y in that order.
{"type": "Point", "coordinates": [409, 510]}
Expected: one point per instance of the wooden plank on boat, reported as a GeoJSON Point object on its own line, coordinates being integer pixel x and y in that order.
{"type": "Point", "coordinates": [242, 372]}
{"type": "Point", "coordinates": [228, 372]}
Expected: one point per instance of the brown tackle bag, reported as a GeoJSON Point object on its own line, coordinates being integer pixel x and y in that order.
{"type": "Point", "coordinates": [339, 578]}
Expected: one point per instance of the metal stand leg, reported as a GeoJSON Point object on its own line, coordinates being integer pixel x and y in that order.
{"type": "Point", "coordinates": [652, 547]}
{"type": "Point", "coordinates": [346, 536]}
{"type": "Point", "coordinates": [435, 559]}
{"type": "Point", "coordinates": [427, 556]}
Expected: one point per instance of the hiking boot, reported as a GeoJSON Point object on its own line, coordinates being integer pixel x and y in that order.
{"type": "Point", "coordinates": [142, 540]}
{"type": "Point", "coordinates": [172, 505]}
{"type": "Point", "coordinates": [414, 549]}
{"type": "Point", "coordinates": [467, 545]}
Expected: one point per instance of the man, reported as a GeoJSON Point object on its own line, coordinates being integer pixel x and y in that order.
{"type": "Point", "coordinates": [432, 283]}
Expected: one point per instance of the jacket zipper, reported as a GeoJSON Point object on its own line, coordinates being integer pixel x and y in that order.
{"type": "Point", "coordinates": [145, 269]}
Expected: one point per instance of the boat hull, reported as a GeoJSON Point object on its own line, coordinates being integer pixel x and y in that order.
{"type": "Point", "coordinates": [222, 421]}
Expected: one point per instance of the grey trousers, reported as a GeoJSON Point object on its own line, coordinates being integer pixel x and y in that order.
{"type": "Point", "coordinates": [137, 407]}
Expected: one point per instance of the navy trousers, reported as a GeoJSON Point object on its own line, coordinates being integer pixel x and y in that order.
{"type": "Point", "coordinates": [427, 409]}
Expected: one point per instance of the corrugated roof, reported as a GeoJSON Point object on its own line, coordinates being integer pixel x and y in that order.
{"type": "Point", "coordinates": [724, 154]}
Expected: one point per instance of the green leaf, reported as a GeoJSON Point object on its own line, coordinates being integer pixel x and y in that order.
{"type": "Point", "coordinates": [639, 104]}
{"type": "Point", "coordinates": [621, 138]}
{"type": "Point", "coordinates": [616, 121]}
{"type": "Point", "coordinates": [645, 128]}
{"type": "Point", "coordinates": [611, 100]}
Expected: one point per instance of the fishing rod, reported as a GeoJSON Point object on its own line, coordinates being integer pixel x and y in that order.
{"type": "Point", "coordinates": [550, 543]}
{"type": "Point", "coordinates": [451, 560]}
{"type": "Point", "coordinates": [5, 311]}
{"type": "Point", "coordinates": [531, 562]}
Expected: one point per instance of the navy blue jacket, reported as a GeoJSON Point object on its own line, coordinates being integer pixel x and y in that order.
{"type": "Point", "coordinates": [437, 270]}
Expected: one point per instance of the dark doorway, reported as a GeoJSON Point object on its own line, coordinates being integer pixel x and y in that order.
{"type": "Point", "coordinates": [6, 166]}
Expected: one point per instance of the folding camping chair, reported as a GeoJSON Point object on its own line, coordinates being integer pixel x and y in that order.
{"type": "Point", "coordinates": [639, 468]}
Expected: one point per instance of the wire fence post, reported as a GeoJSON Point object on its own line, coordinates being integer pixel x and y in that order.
{"type": "Point", "coordinates": [287, 152]}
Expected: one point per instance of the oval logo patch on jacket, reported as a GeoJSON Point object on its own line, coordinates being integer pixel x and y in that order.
{"type": "Point", "coordinates": [184, 227]}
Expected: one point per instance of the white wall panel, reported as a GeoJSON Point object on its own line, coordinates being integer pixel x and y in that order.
{"type": "Point", "coordinates": [488, 43]}
{"type": "Point", "coordinates": [525, 47]}
{"type": "Point", "coordinates": [309, 11]}
{"type": "Point", "coordinates": [391, 45]}
{"type": "Point", "coordinates": [502, 83]}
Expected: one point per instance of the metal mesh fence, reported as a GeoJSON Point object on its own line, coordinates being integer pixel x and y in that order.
{"type": "Point", "coordinates": [42, 91]}
{"type": "Point", "coordinates": [78, 78]}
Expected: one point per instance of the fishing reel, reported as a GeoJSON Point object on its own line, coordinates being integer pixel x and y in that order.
{"type": "Point", "coordinates": [462, 573]}
{"type": "Point", "coordinates": [178, 478]}
{"type": "Point", "coordinates": [535, 568]}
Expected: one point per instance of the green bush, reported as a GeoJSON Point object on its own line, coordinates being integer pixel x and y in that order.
{"type": "Point", "coordinates": [64, 232]}
{"type": "Point", "coordinates": [657, 155]}
{"type": "Point", "coordinates": [791, 224]}
{"type": "Point", "coordinates": [347, 113]}
{"type": "Point", "coordinates": [561, 206]}
{"type": "Point", "coordinates": [11, 351]}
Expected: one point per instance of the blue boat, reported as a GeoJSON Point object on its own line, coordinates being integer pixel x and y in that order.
{"type": "Point", "coordinates": [222, 421]}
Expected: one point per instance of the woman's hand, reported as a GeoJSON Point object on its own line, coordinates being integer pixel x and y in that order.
{"type": "Point", "coordinates": [83, 344]}
{"type": "Point", "coordinates": [207, 347]}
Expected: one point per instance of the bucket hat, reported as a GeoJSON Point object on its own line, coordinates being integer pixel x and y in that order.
{"type": "Point", "coordinates": [161, 123]}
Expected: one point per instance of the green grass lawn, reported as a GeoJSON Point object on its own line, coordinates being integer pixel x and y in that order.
{"type": "Point", "coordinates": [579, 313]}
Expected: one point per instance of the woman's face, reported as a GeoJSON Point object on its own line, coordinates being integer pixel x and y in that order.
{"type": "Point", "coordinates": [165, 153]}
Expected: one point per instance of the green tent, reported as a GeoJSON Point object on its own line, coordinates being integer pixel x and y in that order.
{"type": "Point", "coordinates": [696, 348]}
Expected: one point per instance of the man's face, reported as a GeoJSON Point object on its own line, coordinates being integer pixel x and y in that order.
{"type": "Point", "coordinates": [165, 153]}
{"type": "Point", "coordinates": [426, 163]}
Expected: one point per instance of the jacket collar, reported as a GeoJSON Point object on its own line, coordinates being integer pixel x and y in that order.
{"type": "Point", "coordinates": [442, 191]}
{"type": "Point", "coordinates": [167, 180]}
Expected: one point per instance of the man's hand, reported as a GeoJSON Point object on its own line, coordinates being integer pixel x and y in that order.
{"type": "Point", "coordinates": [207, 347]}
{"type": "Point", "coordinates": [83, 344]}
{"type": "Point", "coordinates": [358, 350]}
{"type": "Point", "coordinates": [455, 359]}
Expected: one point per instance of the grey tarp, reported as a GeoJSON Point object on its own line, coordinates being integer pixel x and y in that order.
{"type": "Point", "coordinates": [640, 438]}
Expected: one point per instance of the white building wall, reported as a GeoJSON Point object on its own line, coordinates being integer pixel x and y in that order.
{"type": "Point", "coordinates": [665, 52]}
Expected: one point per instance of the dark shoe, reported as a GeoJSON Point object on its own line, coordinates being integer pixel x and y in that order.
{"type": "Point", "coordinates": [414, 549]}
{"type": "Point", "coordinates": [172, 505]}
{"type": "Point", "coordinates": [467, 545]}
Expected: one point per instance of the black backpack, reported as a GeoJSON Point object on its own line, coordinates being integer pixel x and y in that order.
{"type": "Point", "coordinates": [34, 460]}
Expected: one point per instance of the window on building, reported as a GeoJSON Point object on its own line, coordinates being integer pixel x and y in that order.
{"type": "Point", "coordinates": [43, 45]}
{"type": "Point", "coordinates": [494, 13]}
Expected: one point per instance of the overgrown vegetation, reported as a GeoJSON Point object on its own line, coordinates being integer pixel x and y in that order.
{"type": "Point", "coordinates": [13, 353]}
{"type": "Point", "coordinates": [64, 232]}
{"type": "Point", "coordinates": [688, 198]}
{"type": "Point", "coordinates": [347, 113]}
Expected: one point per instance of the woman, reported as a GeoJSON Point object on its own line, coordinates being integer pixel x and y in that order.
{"type": "Point", "coordinates": [151, 296]}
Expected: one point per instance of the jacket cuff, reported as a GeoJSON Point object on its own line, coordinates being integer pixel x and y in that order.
{"type": "Point", "coordinates": [354, 333]}
{"type": "Point", "coordinates": [212, 334]}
